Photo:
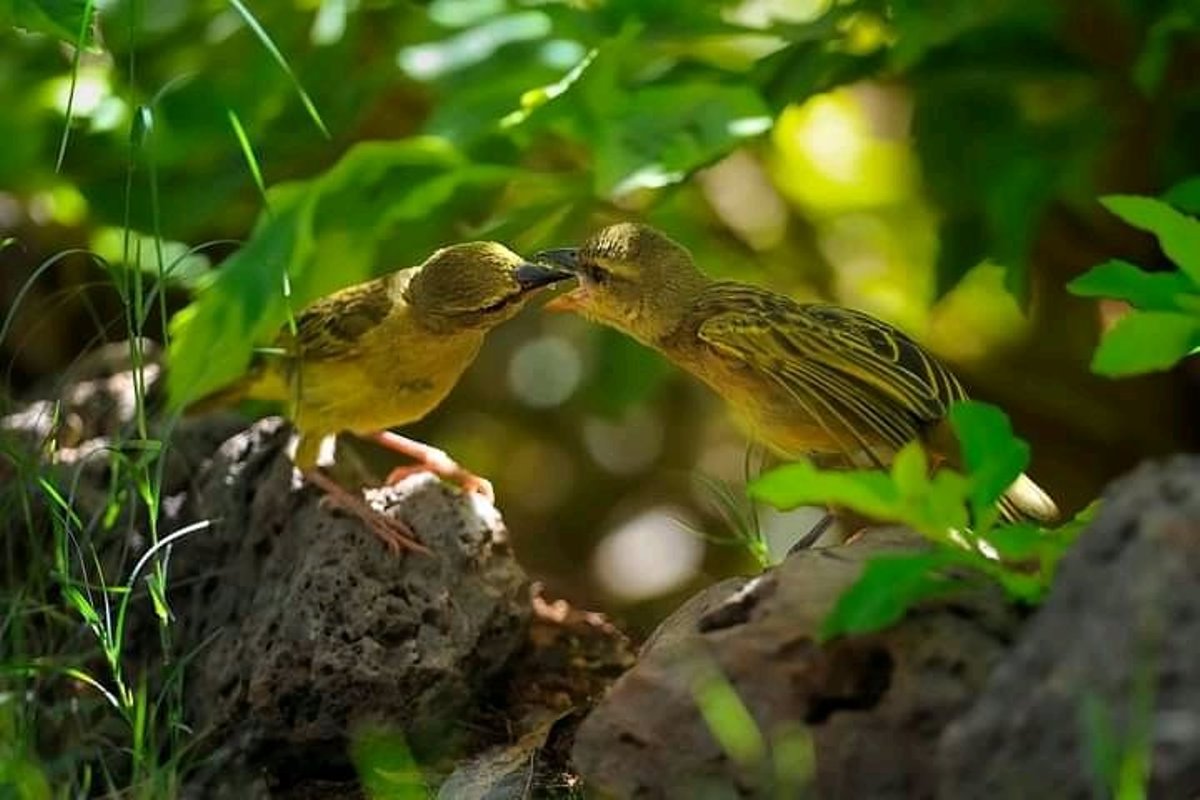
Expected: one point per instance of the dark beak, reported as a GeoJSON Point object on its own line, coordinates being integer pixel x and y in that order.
{"type": "Point", "coordinates": [534, 276]}
{"type": "Point", "coordinates": [562, 257]}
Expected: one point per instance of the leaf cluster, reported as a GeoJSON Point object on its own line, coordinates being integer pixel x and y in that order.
{"type": "Point", "coordinates": [1164, 325]}
{"type": "Point", "coordinates": [956, 512]}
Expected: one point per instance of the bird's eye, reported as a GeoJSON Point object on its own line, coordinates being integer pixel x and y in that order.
{"type": "Point", "coordinates": [595, 273]}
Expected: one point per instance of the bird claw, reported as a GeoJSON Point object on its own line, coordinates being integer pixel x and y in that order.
{"type": "Point", "coordinates": [394, 534]}
{"type": "Point", "coordinates": [449, 470]}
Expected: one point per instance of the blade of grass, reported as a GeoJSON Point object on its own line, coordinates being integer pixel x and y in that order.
{"type": "Point", "coordinates": [252, 162]}
{"type": "Point", "coordinates": [266, 41]}
{"type": "Point", "coordinates": [79, 41]}
{"type": "Point", "coordinates": [248, 153]}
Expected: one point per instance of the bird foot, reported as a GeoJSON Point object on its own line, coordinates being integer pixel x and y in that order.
{"type": "Point", "coordinates": [394, 534]}
{"type": "Point", "coordinates": [468, 481]}
{"type": "Point", "coordinates": [438, 462]}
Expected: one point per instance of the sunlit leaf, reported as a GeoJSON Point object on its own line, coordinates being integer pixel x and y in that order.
{"type": "Point", "coordinates": [798, 484]}
{"type": "Point", "coordinates": [1177, 233]}
{"type": "Point", "coordinates": [943, 506]}
{"type": "Point", "coordinates": [910, 470]}
{"type": "Point", "coordinates": [993, 455]}
{"type": "Point", "coordinates": [321, 235]}
{"type": "Point", "coordinates": [807, 68]}
{"type": "Point", "coordinates": [887, 588]}
{"type": "Point", "coordinates": [385, 765]}
{"type": "Point", "coordinates": [1018, 542]}
{"type": "Point", "coordinates": [1146, 341]}
{"type": "Point", "coordinates": [660, 134]}
{"type": "Point", "coordinates": [1149, 291]}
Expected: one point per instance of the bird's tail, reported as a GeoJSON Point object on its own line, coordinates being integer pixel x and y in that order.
{"type": "Point", "coordinates": [1025, 501]}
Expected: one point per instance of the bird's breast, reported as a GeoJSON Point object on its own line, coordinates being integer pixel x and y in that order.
{"type": "Point", "coordinates": [396, 378]}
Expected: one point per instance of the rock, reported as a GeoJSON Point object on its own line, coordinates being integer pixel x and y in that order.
{"type": "Point", "coordinates": [307, 628]}
{"type": "Point", "coordinates": [1112, 660]}
{"type": "Point", "coordinates": [871, 708]}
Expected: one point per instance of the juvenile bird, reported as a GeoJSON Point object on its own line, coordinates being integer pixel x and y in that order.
{"type": "Point", "coordinates": [386, 352]}
{"type": "Point", "coordinates": [802, 378]}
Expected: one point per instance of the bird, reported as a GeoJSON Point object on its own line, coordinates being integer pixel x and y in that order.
{"type": "Point", "coordinates": [803, 379]}
{"type": "Point", "coordinates": [385, 353]}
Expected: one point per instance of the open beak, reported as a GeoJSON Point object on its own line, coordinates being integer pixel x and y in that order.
{"type": "Point", "coordinates": [534, 276]}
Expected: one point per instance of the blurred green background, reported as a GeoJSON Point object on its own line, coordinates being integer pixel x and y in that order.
{"type": "Point", "coordinates": [934, 164]}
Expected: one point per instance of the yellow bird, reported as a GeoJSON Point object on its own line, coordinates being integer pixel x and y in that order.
{"type": "Point", "coordinates": [804, 379]}
{"type": "Point", "coordinates": [387, 352]}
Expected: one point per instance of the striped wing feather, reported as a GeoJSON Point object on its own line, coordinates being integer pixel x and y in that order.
{"type": "Point", "coordinates": [334, 326]}
{"type": "Point", "coordinates": [864, 381]}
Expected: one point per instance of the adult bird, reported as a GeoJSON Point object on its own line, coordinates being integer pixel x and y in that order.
{"type": "Point", "coordinates": [385, 353]}
{"type": "Point", "coordinates": [802, 378]}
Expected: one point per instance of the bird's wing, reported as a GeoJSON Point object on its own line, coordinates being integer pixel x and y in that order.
{"type": "Point", "coordinates": [334, 326]}
{"type": "Point", "coordinates": [864, 381]}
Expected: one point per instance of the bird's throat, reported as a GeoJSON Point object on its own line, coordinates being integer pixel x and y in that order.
{"type": "Point", "coordinates": [573, 301]}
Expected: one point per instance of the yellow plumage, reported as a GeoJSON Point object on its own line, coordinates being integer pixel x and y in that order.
{"type": "Point", "coordinates": [386, 353]}
{"type": "Point", "coordinates": [803, 379]}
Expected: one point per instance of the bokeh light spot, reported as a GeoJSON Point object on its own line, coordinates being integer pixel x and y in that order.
{"type": "Point", "coordinates": [544, 372]}
{"type": "Point", "coordinates": [649, 555]}
{"type": "Point", "coordinates": [433, 59]}
{"type": "Point", "coordinates": [626, 446]}
{"type": "Point", "coordinates": [562, 53]}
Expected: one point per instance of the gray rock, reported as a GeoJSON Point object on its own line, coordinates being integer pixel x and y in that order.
{"type": "Point", "coordinates": [868, 709]}
{"type": "Point", "coordinates": [308, 628]}
{"type": "Point", "coordinates": [1112, 659]}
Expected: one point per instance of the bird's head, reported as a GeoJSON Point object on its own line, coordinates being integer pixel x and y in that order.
{"type": "Point", "coordinates": [476, 285]}
{"type": "Point", "coordinates": [631, 277]}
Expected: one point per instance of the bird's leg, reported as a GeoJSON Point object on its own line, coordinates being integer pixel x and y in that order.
{"type": "Point", "coordinates": [815, 532]}
{"type": "Point", "coordinates": [862, 525]}
{"type": "Point", "coordinates": [431, 459]}
{"type": "Point", "coordinates": [394, 533]}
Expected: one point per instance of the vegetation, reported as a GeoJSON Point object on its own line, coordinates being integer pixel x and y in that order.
{"type": "Point", "coordinates": [193, 174]}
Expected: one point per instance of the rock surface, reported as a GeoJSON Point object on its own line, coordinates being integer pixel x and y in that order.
{"type": "Point", "coordinates": [311, 629]}
{"type": "Point", "coordinates": [1110, 662]}
{"type": "Point", "coordinates": [300, 631]}
{"type": "Point", "coordinates": [869, 709]}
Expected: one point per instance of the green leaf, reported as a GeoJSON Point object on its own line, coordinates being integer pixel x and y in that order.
{"type": "Point", "coordinates": [807, 68]}
{"type": "Point", "coordinates": [62, 19]}
{"type": "Point", "coordinates": [1178, 234]}
{"type": "Point", "coordinates": [1146, 341]}
{"type": "Point", "coordinates": [1185, 196]}
{"type": "Point", "coordinates": [661, 134]}
{"type": "Point", "coordinates": [869, 492]}
{"type": "Point", "coordinates": [992, 453]}
{"type": "Point", "coordinates": [321, 235]}
{"type": "Point", "coordinates": [1149, 291]}
{"type": "Point", "coordinates": [385, 764]}
{"type": "Point", "coordinates": [887, 588]}
{"type": "Point", "coordinates": [910, 470]}
{"type": "Point", "coordinates": [1018, 542]}
{"type": "Point", "coordinates": [943, 508]}
{"type": "Point", "coordinates": [644, 135]}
